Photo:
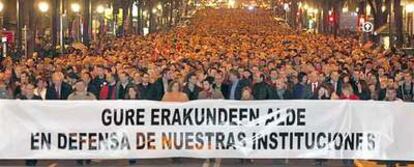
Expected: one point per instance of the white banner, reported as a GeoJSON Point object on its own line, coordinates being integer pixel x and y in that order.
{"type": "Point", "coordinates": [206, 129]}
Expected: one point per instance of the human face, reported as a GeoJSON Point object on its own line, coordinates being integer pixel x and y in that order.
{"type": "Point", "coordinates": [192, 79]}
{"type": "Point", "coordinates": [304, 79]}
{"type": "Point", "coordinates": [233, 77]}
{"type": "Point", "coordinates": [175, 87]}
{"type": "Point", "coordinates": [322, 91]}
{"type": "Point", "coordinates": [273, 75]}
{"type": "Point", "coordinates": [313, 77]}
{"type": "Point", "coordinates": [123, 78]}
{"type": "Point", "coordinates": [280, 84]}
{"type": "Point", "coordinates": [41, 84]}
{"type": "Point", "coordinates": [110, 78]}
{"type": "Point", "coordinates": [257, 78]}
{"type": "Point", "coordinates": [246, 94]}
{"type": "Point", "coordinates": [131, 92]}
{"type": "Point", "coordinates": [137, 78]}
{"type": "Point", "coordinates": [408, 78]}
{"type": "Point", "coordinates": [24, 78]}
{"type": "Point", "coordinates": [346, 79]}
{"type": "Point", "coordinates": [206, 85]}
{"type": "Point", "coordinates": [218, 79]}
{"type": "Point", "coordinates": [383, 82]}
{"type": "Point", "coordinates": [145, 78]}
{"type": "Point", "coordinates": [334, 76]}
{"type": "Point", "coordinates": [99, 71]}
{"type": "Point", "coordinates": [247, 74]}
{"type": "Point", "coordinates": [85, 77]}
{"type": "Point", "coordinates": [29, 89]}
{"type": "Point", "coordinates": [57, 79]}
{"type": "Point", "coordinates": [372, 88]}
{"type": "Point", "coordinates": [80, 87]}
{"type": "Point", "coordinates": [391, 94]}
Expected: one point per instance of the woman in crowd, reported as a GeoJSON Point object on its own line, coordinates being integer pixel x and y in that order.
{"type": "Point", "coordinates": [247, 94]}
{"type": "Point", "coordinates": [132, 93]}
{"type": "Point", "coordinates": [231, 47]}
{"type": "Point", "coordinates": [208, 91]}
{"type": "Point", "coordinates": [348, 93]}
{"type": "Point", "coordinates": [174, 93]}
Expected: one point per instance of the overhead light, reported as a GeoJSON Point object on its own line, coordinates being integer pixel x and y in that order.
{"type": "Point", "coordinates": [251, 7]}
{"type": "Point", "coordinates": [100, 9]}
{"type": "Point", "coordinates": [1, 6]}
{"type": "Point", "coordinates": [410, 8]}
{"type": "Point", "coordinates": [232, 3]}
{"type": "Point", "coordinates": [75, 7]}
{"type": "Point", "coordinates": [43, 6]}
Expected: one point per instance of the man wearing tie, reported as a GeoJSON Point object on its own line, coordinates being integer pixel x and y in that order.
{"type": "Point", "coordinates": [236, 85]}
{"type": "Point", "coordinates": [58, 90]}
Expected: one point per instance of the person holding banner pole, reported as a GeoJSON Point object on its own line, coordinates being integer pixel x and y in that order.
{"type": "Point", "coordinates": [28, 94]}
{"type": "Point", "coordinates": [209, 92]}
{"type": "Point", "coordinates": [175, 94]}
{"type": "Point", "coordinates": [80, 93]}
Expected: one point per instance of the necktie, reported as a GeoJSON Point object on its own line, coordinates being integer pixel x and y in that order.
{"type": "Point", "coordinates": [58, 92]}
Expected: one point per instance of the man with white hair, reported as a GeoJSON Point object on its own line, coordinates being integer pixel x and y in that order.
{"type": "Point", "coordinates": [58, 90]}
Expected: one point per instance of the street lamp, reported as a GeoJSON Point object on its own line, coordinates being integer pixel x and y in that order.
{"type": "Point", "coordinates": [232, 3]}
{"type": "Point", "coordinates": [1, 6]}
{"type": "Point", "coordinates": [100, 9]}
{"type": "Point", "coordinates": [43, 6]}
{"type": "Point", "coordinates": [345, 10]}
{"type": "Point", "coordinates": [159, 7]}
{"type": "Point", "coordinates": [75, 7]}
{"type": "Point", "coordinates": [410, 8]}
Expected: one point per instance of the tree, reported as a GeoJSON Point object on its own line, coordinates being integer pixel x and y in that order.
{"type": "Point", "coordinates": [398, 17]}
{"type": "Point", "coordinates": [380, 15]}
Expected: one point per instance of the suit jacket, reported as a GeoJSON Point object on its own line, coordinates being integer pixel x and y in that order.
{"type": "Point", "coordinates": [65, 91]}
{"type": "Point", "coordinates": [145, 92]}
{"type": "Point", "coordinates": [238, 92]}
{"type": "Point", "coordinates": [93, 89]}
{"type": "Point", "coordinates": [120, 91]}
{"type": "Point", "coordinates": [192, 95]}
{"type": "Point", "coordinates": [99, 83]}
{"type": "Point", "coordinates": [223, 89]}
{"type": "Point", "coordinates": [261, 91]}
{"type": "Point", "coordinates": [158, 90]}
{"type": "Point", "coordinates": [302, 91]}
{"type": "Point", "coordinates": [405, 95]}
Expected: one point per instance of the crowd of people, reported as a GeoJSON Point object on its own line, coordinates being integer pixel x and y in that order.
{"type": "Point", "coordinates": [223, 54]}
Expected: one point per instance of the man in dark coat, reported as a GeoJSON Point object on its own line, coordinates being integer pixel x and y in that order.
{"type": "Point", "coordinates": [236, 85]}
{"type": "Point", "coordinates": [161, 85]}
{"type": "Point", "coordinates": [220, 85]}
{"type": "Point", "coordinates": [145, 88]}
{"type": "Point", "coordinates": [86, 76]}
{"type": "Point", "coordinates": [191, 88]}
{"type": "Point", "coordinates": [261, 89]}
{"type": "Point", "coordinates": [302, 90]}
{"type": "Point", "coordinates": [58, 90]}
